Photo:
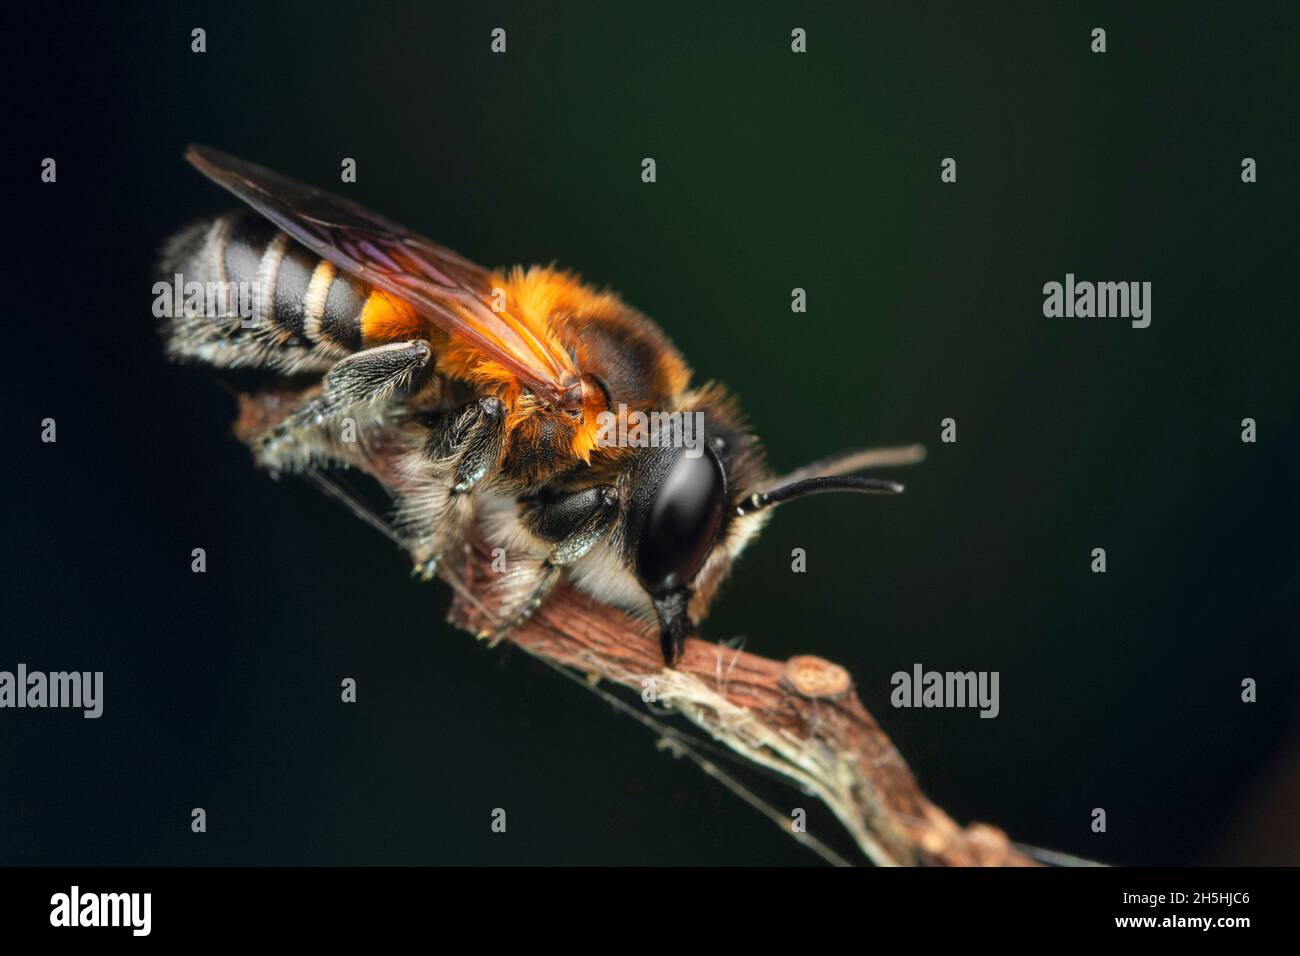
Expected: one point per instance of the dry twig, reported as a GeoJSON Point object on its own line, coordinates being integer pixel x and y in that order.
{"type": "Point", "coordinates": [799, 718]}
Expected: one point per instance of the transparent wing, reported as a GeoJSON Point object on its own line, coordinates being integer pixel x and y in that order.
{"type": "Point", "coordinates": [450, 291]}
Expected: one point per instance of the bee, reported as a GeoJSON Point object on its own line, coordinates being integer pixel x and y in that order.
{"type": "Point", "coordinates": [489, 389]}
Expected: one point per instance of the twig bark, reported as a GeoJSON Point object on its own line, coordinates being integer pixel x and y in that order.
{"type": "Point", "coordinates": [799, 717]}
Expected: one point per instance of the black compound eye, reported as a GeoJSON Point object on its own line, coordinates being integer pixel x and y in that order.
{"type": "Point", "coordinates": [681, 524]}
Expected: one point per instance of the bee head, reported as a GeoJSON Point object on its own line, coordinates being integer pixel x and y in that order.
{"type": "Point", "coordinates": [676, 514]}
{"type": "Point", "coordinates": [692, 509]}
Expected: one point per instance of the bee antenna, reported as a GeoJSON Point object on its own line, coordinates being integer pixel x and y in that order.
{"type": "Point", "coordinates": [816, 486]}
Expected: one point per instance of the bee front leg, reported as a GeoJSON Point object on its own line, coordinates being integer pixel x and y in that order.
{"type": "Point", "coordinates": [573, 524]}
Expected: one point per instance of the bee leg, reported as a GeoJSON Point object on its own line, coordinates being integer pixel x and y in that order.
{"type": "Point", "coordinates": [461, 451]}
{"type": "Point", "coordinates": [573, 524]}
{"type": "Point", "coordinates": [480, 449]}
{"type": "Point", "coordinates": [516, 612]}
{"type": "Point", "coordinates": [364, 378]}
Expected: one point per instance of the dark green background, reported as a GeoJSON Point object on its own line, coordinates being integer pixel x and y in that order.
{"type": "Point", "coordinates": [774, 171]}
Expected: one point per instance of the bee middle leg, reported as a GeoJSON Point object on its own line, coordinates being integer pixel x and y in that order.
{"type": "Point", "coordinates": [460, 452]}
{"type": "Point", "coordinates": [473, 439]}
{"type": "Point", "coordinates": [573, 524]}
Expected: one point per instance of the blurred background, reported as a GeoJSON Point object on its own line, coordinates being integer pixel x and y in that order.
{"type": "Point", "coordinates": [775, 171]}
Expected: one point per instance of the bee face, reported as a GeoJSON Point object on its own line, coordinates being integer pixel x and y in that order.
{"type": "Point", "coordinates": [680, 529]}
{"type": "Point", "coordinates": [674, 520]}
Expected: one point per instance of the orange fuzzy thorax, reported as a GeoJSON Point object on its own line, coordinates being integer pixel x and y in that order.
{"type": "Point", "coordinates": [542, 299]}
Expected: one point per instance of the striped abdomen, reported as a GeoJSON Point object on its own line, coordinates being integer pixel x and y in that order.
{"type": "Point", "coordinates": [285, 307]}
